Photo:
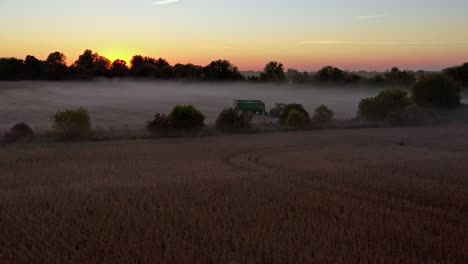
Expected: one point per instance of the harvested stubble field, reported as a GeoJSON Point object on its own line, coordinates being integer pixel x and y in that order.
{"type": "Point", "coordinates": [343, 196]}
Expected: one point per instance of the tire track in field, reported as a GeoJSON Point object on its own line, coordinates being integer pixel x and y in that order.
{"type": "Point", "coordinates": [256, 163]}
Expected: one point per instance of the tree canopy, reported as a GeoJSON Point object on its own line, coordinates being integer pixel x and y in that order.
{"type": "Point", "coordinates": [222, 70]}
{"type": "Point", "coordinates": [459, 74]}
{"type": "Point", "coordinates": [273, 71]}
{"type": "Point", "coordinates": [91, 65]}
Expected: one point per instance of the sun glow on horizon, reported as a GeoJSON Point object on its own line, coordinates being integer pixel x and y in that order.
{"type": "Point", "coordinates": [117, 54]}
{"type": "Point", "coordinates": [301, 34]}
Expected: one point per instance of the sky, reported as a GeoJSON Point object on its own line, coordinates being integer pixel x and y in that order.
{"type": "Point", "coordinates": [302, 34]}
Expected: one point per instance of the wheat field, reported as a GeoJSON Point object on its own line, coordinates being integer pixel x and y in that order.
{"type": "Point", "coordinates": [393, 195]}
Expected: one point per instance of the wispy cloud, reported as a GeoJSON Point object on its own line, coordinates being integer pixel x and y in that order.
{"type": "Point", "coordinates": [222, 47]}
{"type": "Point", "coordinates": [165, 2]}
{"type": "Point", "coordinates": [369, 17]}
{"type": "Point", "coordinates": [402, 43]}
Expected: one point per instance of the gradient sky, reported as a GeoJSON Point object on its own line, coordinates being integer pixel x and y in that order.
{"type": "Point", "coordinates": [304, 34]}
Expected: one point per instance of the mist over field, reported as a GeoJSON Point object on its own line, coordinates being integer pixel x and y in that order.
{"type": "Point", "coordinates": [121, 104]}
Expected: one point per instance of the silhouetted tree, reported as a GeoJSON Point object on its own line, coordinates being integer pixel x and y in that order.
{"type": "Point", "coordinates": [188, 71]}
{"type": "Point", "coordinates": [86, 60]}
{"type": "Point", "coordinates": [119, 68]}
{"type": "Point", "coordinates": [163, 69]}
{"type": "Point", "coordinates": [143, 66]}
{"type": "Point", "coordinates": [102, 66]}
{"type": "Point", "coordinates": [56, 58]}
{"type": "Point", "coordinates": [11, 69]}
{"type": "Point", "coordinates": [459, 74]}
{"type": "Point", "coordinates": [330, 74]}
{"type": "Point", "coordinates": [396, 76]}
{"type": "Point", "coordinates": [90, 65]}
{"type": "Point", "coordinates": [377, 79]}
{"type": "Point", "coordinates": [294, 76]}
{"type": "Point", "coordinates": [222, 70]}
{"type": "Point", "coordinates": [253, 78]}
{"type": "Point", "coordinates": [32, 68]}
{"type": "Point", "coordinates": [437, 90]}
{"type": "Point", "coordinates": [273, 71]}
{"type": "Point", "coordinates": [56, 67]}
{"type": "Point", "coordinates": [352, 78]}
{"type": "Point", "coordinates": [137, 61]}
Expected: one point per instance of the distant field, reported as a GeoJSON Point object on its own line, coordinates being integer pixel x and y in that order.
{"type": "Point", "coordinates": [132, 103]}
{"type": "Point", "coordinates": [358, 196]}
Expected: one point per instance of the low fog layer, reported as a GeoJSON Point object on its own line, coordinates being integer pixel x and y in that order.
{"type": "Point", "coordinates": [121, 104]}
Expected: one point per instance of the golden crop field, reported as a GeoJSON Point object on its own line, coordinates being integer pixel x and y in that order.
{"type": "Point", "coordinates": [393, 195]}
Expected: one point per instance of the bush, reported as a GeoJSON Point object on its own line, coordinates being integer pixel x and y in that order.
{"type": "Point", "coordinates": [437, 90]}
{"type": "Point", "coordinates": [231, 119]}
{"type": "Point", "coordinates": [388, 105]}
{"type": "Point", "coordinates": [72, 124]}
{"type": "Point", "coordinates": [19, 132]}
{"type": "Point", "coordinates": [186, 117]}
{"type": "Point", "coordinates": [323, 114]}
{"type": "Point", "coordinates": [159, 124]}
{"type": "Point", "coordinates": [416, 115]}
{"type": "Point", "coordinates": [296, 119]}
{"type": "Point", "coordinates": [298, 107]}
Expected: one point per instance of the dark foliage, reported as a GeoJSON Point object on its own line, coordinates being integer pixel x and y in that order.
{"type": "Point", "coordinates": [290, 107]}
{"type": "Point", "coordinates": [330, 74]}
{"type": "Point", "coordinates": [222, 70]}
{"type": "Point", "coordinates": [437, 90]}
{"type": "Point", "coordinates": [388, 105]}
{"type": "Point", "coordinates": [252, 78]}
{"type": "Point", "coordinates": [188, 71]}
{"type": "Point", "coordinates": [19, 132]}
{"type": "Point", "coordinates": [33, 68]}
{"type": "Point", "coordinates": [273, 71]}
{"type": "Point", "coordinates": [231, 119]}
{"type": "Point", "coordinates": [119, 68]}
{"type": "Point", "coordinates": [296, 119]}
{"type": "Point", "coordinates": [11, 69]}
{"type": "Point", "coordinates": [294, 76]}
{"type": "Point", "coordinates": [90, 65]}
{"type": "Point", "coordinates": [56, 67]}
{"type": "Point", "coordinates": [186, 117]}
{"type": "Point", "coordinates": [323, 114]}
{"type": "Point", "coordinates": [398, 77]}
{"type": "Point", "coordinates": [352, 79]}
{"type": "Point", "coordinates": [151, 68]}
{"type": "Point", "coordinates": [159, 124]}
{"type": "Point", "coordinates": [459, 74]}
{"type": "Point", "coordinates": [72, 124]}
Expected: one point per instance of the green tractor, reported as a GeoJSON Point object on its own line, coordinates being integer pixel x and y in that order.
{"type": "Point", "coordinates": [250, 107]}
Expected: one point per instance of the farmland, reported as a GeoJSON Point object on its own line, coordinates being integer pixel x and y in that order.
{"type": "Point", "coordinates": [129, 104]}
{"type": "Point", "coordinates": [339, 196]}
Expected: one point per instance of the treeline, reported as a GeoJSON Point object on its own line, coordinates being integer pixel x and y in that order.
{"type": "Point", "coordinates": [91, 65]}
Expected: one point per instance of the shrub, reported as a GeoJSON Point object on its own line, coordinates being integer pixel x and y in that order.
{"type": "Point", "coordinates": [231, 119]}
{"type": "Point", "coordinates": [186, 117]}
{"type": "Point", "coordinates": [296, 119]}
{"type": "Point", "coordinates": [388, 105]}
{"type": "Point", "coordinates": [323, 114]}
{"type": "Point", "coordinates": [159, 124]}
{"type": "Point", "coordinates": [437, 90]}
{"type": "Point", "coordinates": [19, 132]}
{"type": "Point", "coordinates": [289, 108]}
{"type": "Point", "coordinates": [415, 114]}
{"type": "Point", "coordinates": [72, 124]}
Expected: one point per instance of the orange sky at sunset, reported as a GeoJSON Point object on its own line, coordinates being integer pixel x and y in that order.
{"type": "Point", "coordinates": [301, 34]}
